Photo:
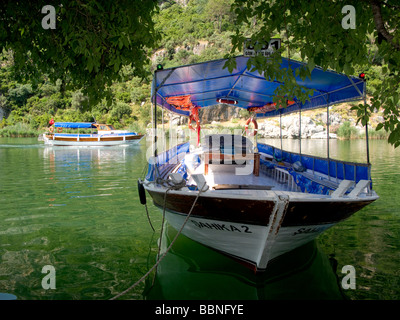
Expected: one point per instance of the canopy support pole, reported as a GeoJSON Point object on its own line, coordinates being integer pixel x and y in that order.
{"type": "Point", "coordinates": [163, 132]}
{"type": "Point", "coordinates": [300, 132]}
{"type": "Point", "coordinates": [328, 138]}
{"type": "Point", "coordinates": [280, 127]}
{"type": "Point", "coordinates": [170, 129]}
{"type": "Point", "coordinates": [155, 114]}
{"type": "Point", "coordinates": [366, 125]}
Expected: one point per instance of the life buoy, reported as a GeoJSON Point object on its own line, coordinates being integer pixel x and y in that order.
{"type": "Point", "coordinates": [51, 129]}
{"type": "Point", "coordinates": [227, 101]}
{"type": "Point", "coordinates": [59, 129]}
{"type": "Point", "coordinates": [246, 127]}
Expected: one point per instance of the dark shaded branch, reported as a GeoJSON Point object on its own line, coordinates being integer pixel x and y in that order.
{"type": "Point", "coordinates": [380, 25]}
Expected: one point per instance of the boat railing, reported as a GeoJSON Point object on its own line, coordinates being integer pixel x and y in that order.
{"type": "Point", "coordinates": [331, 169]}
{"type": "Point", "coordinates": [163, 163]}
{"type": "Point", "coordinates": [318, 175]}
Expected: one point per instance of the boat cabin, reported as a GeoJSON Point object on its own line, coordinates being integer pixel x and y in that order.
{"type": "Point", "coordinates": [104, 127]}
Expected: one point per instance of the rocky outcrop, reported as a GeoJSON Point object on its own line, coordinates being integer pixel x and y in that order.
{"type": "Point", "coordinates": [196, 49]}
{"type": "Point", "coordinates": [220, 112]}
{"type": "Point", "coordinates": [200, 47]}
{"type": "Point", "coordinates": [310, 128]}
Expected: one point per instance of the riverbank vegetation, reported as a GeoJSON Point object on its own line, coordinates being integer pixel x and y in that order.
{"type": "Point", "coordinates": [190, 32]}
{"type": "Point", "coordinates": [346, 132]}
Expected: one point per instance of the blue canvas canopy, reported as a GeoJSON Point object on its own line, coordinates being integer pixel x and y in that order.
{"type": "Point", "coordinates": [74, 125]}
{"type": "Point", "coordinates": [208, 82]}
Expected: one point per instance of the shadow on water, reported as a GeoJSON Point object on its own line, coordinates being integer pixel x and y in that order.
{"type": "Point", "coordinates": [192, 271]}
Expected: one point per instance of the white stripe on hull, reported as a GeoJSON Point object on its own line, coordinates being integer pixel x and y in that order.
{"type": "Point", "coordinates": [90, 143]}
{"type": "Point", "coordinates": [244, 241]}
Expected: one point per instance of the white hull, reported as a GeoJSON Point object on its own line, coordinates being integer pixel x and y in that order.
{"type": "Point", "coordinates": [98, 143]}
{"type": "Point", "coordinates": [249, 243]}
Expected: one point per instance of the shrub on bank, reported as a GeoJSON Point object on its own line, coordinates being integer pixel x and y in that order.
{"type": "Point", "coordinates": [346, 131]}
{"type": "Point", "coordinates": [19, 129]}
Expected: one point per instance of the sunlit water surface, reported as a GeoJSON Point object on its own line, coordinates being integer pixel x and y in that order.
{"type": "Point", "coordinates": [77, 210]}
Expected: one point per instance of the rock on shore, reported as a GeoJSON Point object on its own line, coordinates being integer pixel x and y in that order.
{"type": "Point", "coordinates": [313, 124]}
{"type": "Point", "coordinates": [310, 129]}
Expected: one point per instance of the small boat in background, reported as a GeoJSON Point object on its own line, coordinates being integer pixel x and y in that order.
{"type": "Point", "coordinates": [102, 135]}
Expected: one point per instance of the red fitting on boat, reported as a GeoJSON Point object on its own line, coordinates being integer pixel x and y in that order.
{"type": "Point", "coordinates": [194, 116]}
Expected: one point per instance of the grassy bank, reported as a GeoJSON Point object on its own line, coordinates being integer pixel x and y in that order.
{"type": "Point", "coordinates": [347, 132]}
{"type": "Point", "coordinates": [19, 129]}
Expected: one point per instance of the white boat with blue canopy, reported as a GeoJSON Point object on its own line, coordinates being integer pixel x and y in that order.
{"type": "Point", "coordinates": [249, 200]}
{"type": "Point", "coordinates": [101, 135]}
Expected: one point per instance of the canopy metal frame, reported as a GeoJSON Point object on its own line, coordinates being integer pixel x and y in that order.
{"type": "Point", "coordinates": [198, 78]}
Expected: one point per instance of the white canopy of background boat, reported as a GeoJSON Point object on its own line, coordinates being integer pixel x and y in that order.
{"type": "Point", "coordinates": [106, 135]}
{"type": "Point", "coordinates": [251, 201]}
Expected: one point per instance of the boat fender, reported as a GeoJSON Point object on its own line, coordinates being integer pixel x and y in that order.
{"type": "Point", "coordinates": [298, 166]}
{"type": "Point", "coordinates": [246, 127]}
{"type": "Point", "coordinates": [142, 192]}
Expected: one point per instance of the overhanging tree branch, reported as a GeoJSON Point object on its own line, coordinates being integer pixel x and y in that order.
{"type": "Point", "coordinates": [380, 24]}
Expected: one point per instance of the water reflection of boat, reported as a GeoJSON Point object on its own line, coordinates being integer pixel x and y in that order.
{"type": "Point", "coordinates": [106, 135]}
{"type": "Point", "coordinates": [191, 271]}
{"type": "Point", "coordinates": [65, 156]}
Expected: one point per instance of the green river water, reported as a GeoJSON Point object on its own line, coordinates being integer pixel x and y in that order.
{"type": "Point", "coordinates": [77, 210]}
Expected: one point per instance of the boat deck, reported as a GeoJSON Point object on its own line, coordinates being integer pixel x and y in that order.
{"type": "Point", "coordinates": [280, 181]}
{"type": "Point", "coordinates": [225, 177]}
{"type": "Point", "coordinates": [246, 172]}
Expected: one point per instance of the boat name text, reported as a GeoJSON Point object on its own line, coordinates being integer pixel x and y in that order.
{"type": "Point", "coordinates": [311, 230]}
{"type": "Point", "coordinates": [221, 227]}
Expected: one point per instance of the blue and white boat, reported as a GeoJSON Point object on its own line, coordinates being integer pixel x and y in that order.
{"type": "Point", "coordinates": [249, 200]}
{"type": "Point", "coordinates": [101, 135]}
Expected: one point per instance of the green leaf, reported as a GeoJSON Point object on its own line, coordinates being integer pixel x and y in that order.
{"type": "Point", "coordinates": [311, 65]}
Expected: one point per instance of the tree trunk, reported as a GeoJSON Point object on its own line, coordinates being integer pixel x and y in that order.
{"type": "Point", "coordinates": [380, 24]}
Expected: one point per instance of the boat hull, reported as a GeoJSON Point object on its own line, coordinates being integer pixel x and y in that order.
{"type": "Point", "coordinates": [249, 239]}
{"type": "Point", "coordinates": [300, 211]}
{"type": "Point", "coordinates": [91, 140]}
{"type": "Point", "coordinates": [250, 230]}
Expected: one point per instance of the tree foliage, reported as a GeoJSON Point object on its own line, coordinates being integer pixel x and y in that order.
{"type": "Point", "coordinates": [314, 30]}
{"type": "Point", "coordinates": [103, 48]}
{"type": "Point", "coordinates": [91, 41]}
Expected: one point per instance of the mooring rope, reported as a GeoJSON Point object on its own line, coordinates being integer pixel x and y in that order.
{"type": "Point", "coordinates": [204, 189]}
{"type": "Point", "coordinates": [148, 217]}
{"type": "Point", "coordinates": [172, 186]}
